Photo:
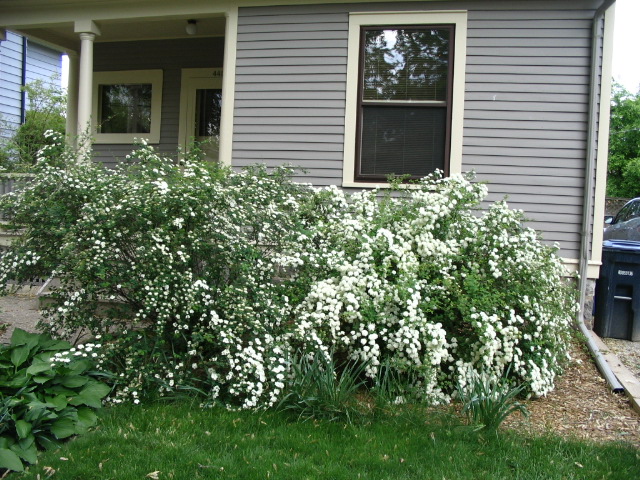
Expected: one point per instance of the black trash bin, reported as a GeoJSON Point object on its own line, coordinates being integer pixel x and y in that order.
{"type": "Point", "coordinates": [618, 291]}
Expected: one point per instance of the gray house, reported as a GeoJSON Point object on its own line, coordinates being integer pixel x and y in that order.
{"type": "Point", "coordinates": [516, 90]}
{"type": "Point", "coordinates": [22, 61]}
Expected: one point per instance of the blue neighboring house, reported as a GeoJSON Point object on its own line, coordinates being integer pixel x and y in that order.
{"type": "Point", "coordinates": [22, 60]}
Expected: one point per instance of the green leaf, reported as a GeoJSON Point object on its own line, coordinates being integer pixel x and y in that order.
{"type": "Point", "coordinates": [59, 402]}
{"type": "Point", "coordinates": [91, 395]}
{"type": "Point", "coordinates": [10, 460]}
{"type": "Point", "coordinates": [87, 417]}
{"type": "Point", "coordinates": [19, 380]}
{"type": "Point", "coordinates": [28, 453]}
{"type": "Point", "coordinates": [41, 379]}
{"type": "Point", "coordinates": [38, 367]}
{"type": "Point", "coordinates": [51, 345]}
{"type": "Point", "coordinates": [27, 442]}
{"type": "Point", "coordinates": [20, 354]}
{"type": "Point", "coordinates": [23, 428]}
{"type": "Point", "coordinates": [47, 442]}
{"type": "Point", "coordinates": [63, 428]}
{"type": "Point", "coordinates": [61, 390]}
{"type": "Point", "coordinates": [22, 337]}
{"type": "Point", "coordinates": [74, 381]}
{"type": "Point", "coordinates": [39, 413]}
{"type": "Point", "coordinates": [79, 366]}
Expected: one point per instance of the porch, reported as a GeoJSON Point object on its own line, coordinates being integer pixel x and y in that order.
{"type": "Point", "coordinates": [151, 72]}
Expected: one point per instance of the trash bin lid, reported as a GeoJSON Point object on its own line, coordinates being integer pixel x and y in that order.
{"type": "Point", "coordinates": [621, 245]}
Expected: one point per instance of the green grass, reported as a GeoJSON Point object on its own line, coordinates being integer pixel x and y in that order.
{"type": "Point", "coordinates": [181, 441]}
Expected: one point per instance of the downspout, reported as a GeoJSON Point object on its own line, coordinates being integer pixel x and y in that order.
{"type": "Point", "coordinates": [590, 171]}
{"type": "Point", "coordinates": [23, 81]}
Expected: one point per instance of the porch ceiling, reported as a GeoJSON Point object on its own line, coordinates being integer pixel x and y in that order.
{"type": "Point", "coordinates": [63, 36]}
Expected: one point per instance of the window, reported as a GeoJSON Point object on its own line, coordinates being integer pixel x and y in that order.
{"type": "Point", "coordinates": [630, 211]}
{"type": "Point", "coordinates": [127, 105]}
{"type": "Point", "coordinates": [405, 95]}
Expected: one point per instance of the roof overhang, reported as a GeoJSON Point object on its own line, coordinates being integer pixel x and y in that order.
{"type": "Point", "coordinates": [54, 22]}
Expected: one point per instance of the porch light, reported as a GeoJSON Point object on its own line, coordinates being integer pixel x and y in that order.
{"type": "Point", "coordinates": [192, 27]}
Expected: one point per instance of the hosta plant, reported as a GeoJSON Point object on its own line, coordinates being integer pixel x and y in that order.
{"type": "Point", "coordinates": [48, 392]}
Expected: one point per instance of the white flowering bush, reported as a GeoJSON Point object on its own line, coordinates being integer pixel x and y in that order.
{"type": "Point", "coordinates": [171, 262]}
{"type": "Point", "coordinates": [437, 288]}
{"type": "Point", "coordinates": [210, 281]}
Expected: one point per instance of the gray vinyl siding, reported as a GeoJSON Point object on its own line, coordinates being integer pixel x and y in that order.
{"type": "Point", "coordinates": [171, 56]}
{"type": "Point", "coordinates": [536, 101]}
{"type": "Point", "coordinates": [41, 63]}
{"type": "Point", "coordinates": [526, 98]}
{"type": "Point", "coordinates": [291, 71]}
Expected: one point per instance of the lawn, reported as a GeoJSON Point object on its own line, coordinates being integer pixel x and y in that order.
{"type": "Point", "coordinates": [181, 441]}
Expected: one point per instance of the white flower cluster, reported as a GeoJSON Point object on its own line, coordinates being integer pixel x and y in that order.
{"type": "Point", "coordinates": [92, 351]}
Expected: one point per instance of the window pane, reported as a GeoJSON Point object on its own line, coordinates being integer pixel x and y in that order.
{"type": "Point", "coordinates": [406, 64]}
{"type": "Point", "coordinates": [208, 109]}
{"type": "Point", "coordinates": [402, 140]}
{"type": "Point", "coordinates": [125, 109]}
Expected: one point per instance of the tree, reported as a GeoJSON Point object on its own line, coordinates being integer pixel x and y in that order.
{"type": "Point", "coordinates": [624, 144]}
{"type": "Point", "coordinates": [47, 111]}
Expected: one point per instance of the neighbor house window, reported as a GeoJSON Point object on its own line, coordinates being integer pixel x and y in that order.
{"type": "Point", "coordinates": [403, 76]}
{"type": "Point", "coordinates": [127, 105]}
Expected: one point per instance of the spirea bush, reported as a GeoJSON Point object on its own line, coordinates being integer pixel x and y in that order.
{"type": "Point", "coordinates": [205, 280]}
{"type": "Point", "coordinates": [427, 282]}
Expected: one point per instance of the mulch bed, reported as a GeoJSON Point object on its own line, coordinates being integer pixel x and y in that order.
{"type": "Point", "coordinates": [582, 406]}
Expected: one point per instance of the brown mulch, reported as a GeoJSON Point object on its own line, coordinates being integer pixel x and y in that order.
{"type": "Point", "coordinates": [582, 406]}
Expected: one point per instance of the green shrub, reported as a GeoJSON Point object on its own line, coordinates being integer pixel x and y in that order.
{"type": "Point", "coordinates": [46, 112]}
{"type": "Point", "coordinates": [214, 279]}
{"type": "Point", "coordinates": [47, 393]}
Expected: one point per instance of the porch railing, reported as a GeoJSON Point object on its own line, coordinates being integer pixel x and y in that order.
{"type": "Point", "coordinates": [11, 182]}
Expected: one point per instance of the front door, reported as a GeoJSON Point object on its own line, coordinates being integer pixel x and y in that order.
{"type": "Point", "coordinates": [200, 108]}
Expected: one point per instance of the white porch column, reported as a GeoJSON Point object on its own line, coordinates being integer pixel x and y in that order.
{"type": "Point", "coordinates": [72, 98]}
{"type": "Point", "coordinates": [88, 31]}
{"type": "Point", "coordinates": [85, 90]}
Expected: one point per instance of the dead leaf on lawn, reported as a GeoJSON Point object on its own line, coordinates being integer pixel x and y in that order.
{"type": "Point", "coordinates": [153, 475]}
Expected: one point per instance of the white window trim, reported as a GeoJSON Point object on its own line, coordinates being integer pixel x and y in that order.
{"type": "Point", "coordinates": [154, 77]}
{"type": "Point", "coordinates": [357, 20]}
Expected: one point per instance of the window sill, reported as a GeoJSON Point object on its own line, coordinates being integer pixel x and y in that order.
{"type": "Point", "coordinates": [348, 184]}
{"type": "Point", "coordinates": [124, 138]}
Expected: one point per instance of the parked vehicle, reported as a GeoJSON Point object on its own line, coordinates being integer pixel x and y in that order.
{"type": "Point", "coordinates": [626, 224]}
